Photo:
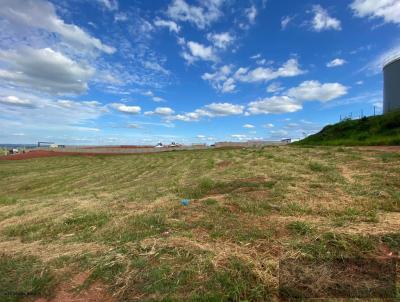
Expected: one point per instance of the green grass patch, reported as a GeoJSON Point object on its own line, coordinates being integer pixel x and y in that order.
{"type": "Point", "coordinates": [299, 228]}
{"type": "Point", "coordinates": [81, 226]}
{"type": "Point", "coordinates": [332, 245]}
{"type": "Point", "coordinates": [6, 201]}
{"type": "Point", "coordinates": [22, 277]}
{"type": "Point", "coordinates": [318, 167]}
{"type": "Point", "coordinates": [134, 228]}
{"type": "Point", "coordinates": [375, 130]}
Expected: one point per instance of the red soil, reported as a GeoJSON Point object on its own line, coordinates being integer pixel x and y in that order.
{"type": "Point", "coordinates": [45, 153]}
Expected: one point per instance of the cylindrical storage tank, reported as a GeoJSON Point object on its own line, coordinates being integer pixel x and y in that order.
{"type": "Point", "coordinates": [391, 83]}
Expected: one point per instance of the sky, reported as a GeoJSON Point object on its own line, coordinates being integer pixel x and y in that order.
{"type": "Point", "coordinates": [111, 72]}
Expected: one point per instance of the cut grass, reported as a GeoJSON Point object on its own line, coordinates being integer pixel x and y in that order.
{"type": "Point", "coordinates": [120, 218]}
{"type": "Point", "coordinates": [24, 276]}
{"type": "Point", "coordinates": [299, 228]}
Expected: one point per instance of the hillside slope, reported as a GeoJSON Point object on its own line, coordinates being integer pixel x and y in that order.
{"type": "Point", "coordinates": [375, 130]}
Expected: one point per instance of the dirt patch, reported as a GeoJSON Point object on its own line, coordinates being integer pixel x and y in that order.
{"type": "Point", "coordinates": [67, 292]}
{"type": "Point", "coordinates": [224, 164]}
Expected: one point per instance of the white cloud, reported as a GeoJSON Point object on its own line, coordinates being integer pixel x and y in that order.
{"type": "Point", "coordinates": [224, 79]}
{"type": "Point", "coordinates": [12, 100]}
{"type": "Point", "coordinates": [211, 110]}
{"type": "Point", "coordinates": [28, 113]}
{"type": "Point", "coordinates": [156, 67]}
{"type": "Point", "coordinates": [262, 74]}
{"type": "Point", "coordinates": [275, 104]}
{"type": "Point", "coordinates": [126, 109]}
{"type": "Point", "coordinates": [171, 25]}
{"type": "Point", "coordinates": [164, 111]}
{"type": "Point", "coordinates": [389, 10]}
{"type": "Point", "coordinates": [239, 137]}
{"type": "Point", "coordinates": [315, 91]}
{"type": "Point", "coordinates": [249, 126]}
{"type": "Point", "coordinates": [269, 125]}
{"type": "Point", "coordinates": [377, 64]}
{"type": "Point", "coordinates": [44, 70]}
{"type": "Point", "coordinates": [220, 79]}
{"type": "Point", "coordinates": [199, 51]}
{"type": "Point", "coordinates": [202, 16]}
{"type": "Point", "coordinates": [323, 21]}
{"type": "Point", "coordinates": [251, 14]}
{"type": "Point", "coordinates": [221, 40]}
{"type": "Point", "coordinates": [110, 4]}
{"type": "Point", "coordinates": [157, 99]}
{"type": "Point", "coordinates": [41, 14]}
{"type": "Point", "coordinates": [223, 109]}
{"type": "Point", "coordinates": [120, 17]}
{"type": "Point", "coordinates": [274, 87]}
{"type": "Point", "coordinates": [285, 22]}
{"type": "Point", "coordinates": [336, 62]}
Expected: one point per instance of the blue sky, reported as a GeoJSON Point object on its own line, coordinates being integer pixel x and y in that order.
{"type": "Point", "coordinates": [139, 72]}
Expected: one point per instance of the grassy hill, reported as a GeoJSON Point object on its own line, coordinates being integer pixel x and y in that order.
{"type": "Point", "coordinates": [368, 131]}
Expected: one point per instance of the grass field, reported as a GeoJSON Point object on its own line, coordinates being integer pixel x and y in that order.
{"type": "Point", "coordinates": [113, 227]}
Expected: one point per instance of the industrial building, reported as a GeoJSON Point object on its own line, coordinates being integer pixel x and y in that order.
{"type": "Point", "coordinates": [391, 89]}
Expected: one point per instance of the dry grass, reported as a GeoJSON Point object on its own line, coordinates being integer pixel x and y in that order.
{"type": "Point", "coordinates": [119, 219]}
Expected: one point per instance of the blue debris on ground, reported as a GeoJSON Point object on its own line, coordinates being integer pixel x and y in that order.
{"type": "Point", "coordinates": [185, 202]}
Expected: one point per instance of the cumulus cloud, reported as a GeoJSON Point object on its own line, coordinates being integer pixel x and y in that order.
{"type": "Point", "coordinates": [42, 14]}
{"type": "Point", "coordinates": [323, 21]}
{"type": "Point", "coordinates": [211, 110]}
{"type": "Point", "coordinates": [221, 40]}
{"type": "Point", "coordinates": [201, 16]}
{"type": "Point", "coordinates": [315, 91]}
{"type": "Point", "coordinates": [220, 79]}
{"type": "Point", "coordinates": [336, 62]}
{"type": "Point", "coordinates": [249, 126]}
{"type": "Point", "coordinates": [223, 109]}
{"type": "Point", "coordinates": [171, 25]}
{"type": "Point", "coordinates": [263, 74]}
{"type": "Point", "coordinates": [163, 111]}
{"type": "Point", "coordinates": [275, 104]}
{"type": "Point", "coordinates": [44, 70]}
{"type": "Point", "coordinates": [224, 79]}
{"type": "Point", "coordinates": [389, 10]}
{"type": "Point", "coordinates": [199, 52]}
{"type": "Point", "coordinates": [126, 109]}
